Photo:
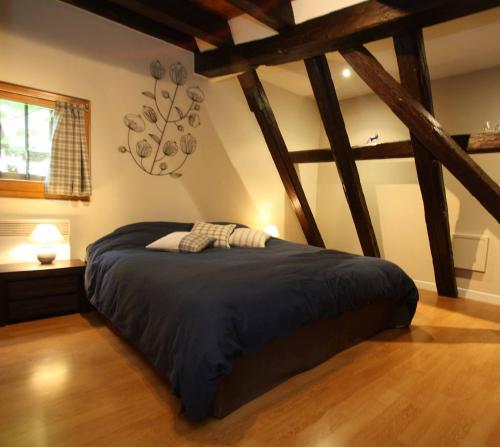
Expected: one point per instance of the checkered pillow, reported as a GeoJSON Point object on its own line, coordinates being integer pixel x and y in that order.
{"type": "Point", "coordinates": [248, 238]}
{"type": "Point", "coordinates": [221, 233]}
{"type": "Point", "coordinates": [195, 242]}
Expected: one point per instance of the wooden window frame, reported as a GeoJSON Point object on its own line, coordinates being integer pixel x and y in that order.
{"type": "Point", "coordinates": [28, 95]}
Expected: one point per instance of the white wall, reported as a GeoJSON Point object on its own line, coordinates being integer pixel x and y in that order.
{"type": "Point", "coordinates": [462, 105]}
{"type": "Point", "coordinates": [53, 46]}
{"type": "Point", "coordinates": [299, 122]}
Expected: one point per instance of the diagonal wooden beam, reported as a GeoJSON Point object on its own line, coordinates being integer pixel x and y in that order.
{"type": "Point", "coordinates": [346, 28]}
{"type": "Point", "coordinates": [259, 105]}
{"type": "Point", "coordinates": [333, 122]}
{"type": "Point", "coordinates": [276, 14]}
{"type": "Point", "coordinates": [478, 143]}
{"type": "Point", "coordinates": [183, 17]}
{"type": "Point", "coordinates": [426, 128]}
{"type": "Point", "coordinates": [136, 21]}
{"type": "Point", "coordinates": [415, 78]}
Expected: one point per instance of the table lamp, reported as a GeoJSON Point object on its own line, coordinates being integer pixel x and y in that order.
{"type": "Point", "coordinates": [46, 236]}
{"type": "Point", "coordinates": [272, 230]}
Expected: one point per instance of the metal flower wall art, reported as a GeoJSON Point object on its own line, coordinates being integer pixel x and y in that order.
{"type": "Point", "coordinates": [159, 138]}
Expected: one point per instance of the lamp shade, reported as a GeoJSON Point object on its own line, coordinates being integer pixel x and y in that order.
{"type": "Point", "coordinates": [272, 230]}
{"type": "Point", "coordinates": [46, 234]}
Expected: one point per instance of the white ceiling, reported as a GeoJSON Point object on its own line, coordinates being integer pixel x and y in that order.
{"type": "Point", "coordinates": [457, 47]}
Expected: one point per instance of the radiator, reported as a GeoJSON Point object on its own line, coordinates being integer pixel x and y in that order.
{"type": "Point", "coordinates": [14, 239]}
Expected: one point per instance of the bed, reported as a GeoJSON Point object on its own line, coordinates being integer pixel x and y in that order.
{"type": "Point", "coordinates": [227, 325]}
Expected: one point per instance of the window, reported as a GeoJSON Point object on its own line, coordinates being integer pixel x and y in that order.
{"type": "Point", "coordinates": [25, 131]}
{"type": "Point", "coordinates": [26, 128]}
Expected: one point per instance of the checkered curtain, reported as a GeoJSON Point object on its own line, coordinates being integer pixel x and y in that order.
{"type": "Point", "coordinates": [69, 173]}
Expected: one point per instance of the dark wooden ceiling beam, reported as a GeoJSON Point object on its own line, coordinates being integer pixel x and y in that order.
{"type": "Point", "coordinates": [221, 7]}
{"type": "Point", "coordinates": [333, 122]}
{"type": "Point", "coordinates": [259, 105]}
{"type": "Point", "coordinates": [426, 128]}
{"type": "Point", "coordinates": [481, 143]}
{"type": "Point", "coordinates": [184, 17]}
{"type": "Point", "coordinates": [415, 78]}
{"type": "Point", "coordinates": [352, 26]}
{"type": "Point", "coordinates": [133, 20]}
{"type": "Point", "coordinates": [276, 14]}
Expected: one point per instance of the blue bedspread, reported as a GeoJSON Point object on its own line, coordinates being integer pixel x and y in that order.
{"type": "Point", "coordinates": [190, 314]}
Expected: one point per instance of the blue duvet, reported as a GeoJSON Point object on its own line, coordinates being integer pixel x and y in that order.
{"type": "Point", "coordinates": [190, 314]}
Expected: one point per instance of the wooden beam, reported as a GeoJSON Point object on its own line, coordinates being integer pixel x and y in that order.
{"type": "Point", "coordinates": [479, 143]}
{"type": "Point", "coordinates": [333, 122]}
{"type": "Point", "coordinates": [398, 149]}
{"type": "Point", "coordinates": [259, 105]}
{"type": "Point", "coordinates": [349, 27]}
{"type": "Point", "coordinates": [219, 7]}
{"type": "Point", "coordinates": [482, 143]}
{"type": "Point", "coordinates": [426, 128]}
{"type": "Point", "coordinates": [184, 17]}
{"type": "Point", "coordinates": [415, 78]}
{"type": "Point", "coordinates": [276, 14]}
{"type": "Point", "coordinates": [133, 20]}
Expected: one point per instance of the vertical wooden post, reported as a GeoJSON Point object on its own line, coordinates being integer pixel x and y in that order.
{"type": "Point", "coordinates": [259, 105]}
{"type": "Point", "coordinates": [414, 74]}
{"type": "Point", "coordinates": [333, 122]}
{"type": "Point", "coordinates": [4, 305]}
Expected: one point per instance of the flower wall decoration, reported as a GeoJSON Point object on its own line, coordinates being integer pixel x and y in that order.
{"type": "Point", "coordinates": [159, 152]}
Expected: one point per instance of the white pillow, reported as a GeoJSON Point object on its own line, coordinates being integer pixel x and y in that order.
{"type": "Point", "coordinates": [170, 242]}
{"type": "Point", "coordinates": [248, 238]}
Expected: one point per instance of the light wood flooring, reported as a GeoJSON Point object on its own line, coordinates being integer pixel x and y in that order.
{"type": "Point", "coordinates": [70, 381]}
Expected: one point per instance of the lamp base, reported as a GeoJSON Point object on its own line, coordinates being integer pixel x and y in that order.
{"type": "Point", "coordinates": [46, 255]}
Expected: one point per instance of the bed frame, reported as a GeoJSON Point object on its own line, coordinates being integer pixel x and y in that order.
{"type": "Point", "coordinates": [253, 375]}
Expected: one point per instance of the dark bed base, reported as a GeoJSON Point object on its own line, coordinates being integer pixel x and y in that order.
{"type": "Point", "coordinates": [253, 375]}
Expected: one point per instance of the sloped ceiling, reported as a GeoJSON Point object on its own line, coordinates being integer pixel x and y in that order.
{"type": "Point", "coordinates": [462, 46]}
{"type": "Point", "coordinates": [457, 47]}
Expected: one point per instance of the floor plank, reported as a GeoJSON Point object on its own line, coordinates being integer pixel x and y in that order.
{"type": "Point", "coordinates": [70, 381]}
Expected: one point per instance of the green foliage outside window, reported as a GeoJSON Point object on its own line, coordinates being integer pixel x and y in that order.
{"type": "Point", "coordinates": [25, 140]}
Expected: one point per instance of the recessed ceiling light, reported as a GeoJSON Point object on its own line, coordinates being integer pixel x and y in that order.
{"type": "Point", "coordinates": [346, 73]}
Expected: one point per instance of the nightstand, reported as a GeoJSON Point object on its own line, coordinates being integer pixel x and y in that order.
{"type": "Point", "coordinates": [29, 291]}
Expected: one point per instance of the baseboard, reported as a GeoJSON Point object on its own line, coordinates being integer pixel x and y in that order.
{"type": "Point", "coordinates": [464, 293]}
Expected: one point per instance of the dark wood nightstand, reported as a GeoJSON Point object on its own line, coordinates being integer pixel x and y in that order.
{"type": "Point", "coordinates": [29, 291]}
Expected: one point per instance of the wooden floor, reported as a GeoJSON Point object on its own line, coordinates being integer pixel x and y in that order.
{"type": "Point", "coordinates": [70, 381]}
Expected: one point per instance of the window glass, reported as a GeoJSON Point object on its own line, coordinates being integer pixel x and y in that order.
{"type": "Point", "coordinates": [25, 140]}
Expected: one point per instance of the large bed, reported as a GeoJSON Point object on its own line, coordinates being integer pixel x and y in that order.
{"type": "Point", "coordinates": [226, 325]}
